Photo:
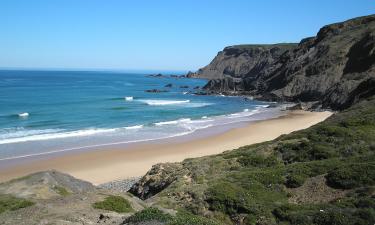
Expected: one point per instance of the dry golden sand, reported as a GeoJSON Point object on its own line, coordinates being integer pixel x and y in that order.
{"type": "Point", "coordinates": [104, 165]}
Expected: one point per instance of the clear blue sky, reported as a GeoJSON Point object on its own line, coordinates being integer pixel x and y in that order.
{"type": "Point", "coordinates": [154, 34]}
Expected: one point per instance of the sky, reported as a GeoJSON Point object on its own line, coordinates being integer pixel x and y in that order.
{"type": "Point", "coordinates": [172, 35]}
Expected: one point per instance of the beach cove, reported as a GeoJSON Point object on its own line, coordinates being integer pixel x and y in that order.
{"type": "Point", "coordinates": [118, 162]}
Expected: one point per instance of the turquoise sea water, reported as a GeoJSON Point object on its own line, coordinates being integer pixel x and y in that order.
{"type": "Point", "coordinates": [47, 111]}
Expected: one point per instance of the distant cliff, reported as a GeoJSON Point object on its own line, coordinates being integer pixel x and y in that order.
{"type": "Point", "coordinates": [241, 61]}
{"type": "Point", "coordinates": [334, 69]}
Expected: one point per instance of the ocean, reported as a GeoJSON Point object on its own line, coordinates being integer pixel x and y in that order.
{"type": "Point", "coordinates": [43, 112]}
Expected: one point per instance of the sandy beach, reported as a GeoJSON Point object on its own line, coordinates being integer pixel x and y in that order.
{"type": "Point", "coordinates": [113, 163]}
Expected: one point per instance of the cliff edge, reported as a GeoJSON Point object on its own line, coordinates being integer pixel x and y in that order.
{"type": "Point", "coordinates": [334, 69]}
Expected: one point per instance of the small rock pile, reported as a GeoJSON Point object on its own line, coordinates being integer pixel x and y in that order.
{"type": "Point", "coordinates": [120, 185]}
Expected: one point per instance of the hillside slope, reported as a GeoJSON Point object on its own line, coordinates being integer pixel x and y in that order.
{"type": "Point", "coordinates": [334, 69]}
{"type": "Point", "coordinates": [322, 175]}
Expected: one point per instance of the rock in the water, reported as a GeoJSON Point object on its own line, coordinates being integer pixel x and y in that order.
{"type": "Point", "coordinates": [155, 91]}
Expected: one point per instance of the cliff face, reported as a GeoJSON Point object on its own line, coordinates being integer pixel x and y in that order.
{"type": "Point", "coordinates": [241, 61]}
{"type": "Point", "coordinates": [334, 69]}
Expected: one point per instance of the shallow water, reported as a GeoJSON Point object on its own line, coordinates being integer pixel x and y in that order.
{"type": "Point", "coordinates": [48, 111]}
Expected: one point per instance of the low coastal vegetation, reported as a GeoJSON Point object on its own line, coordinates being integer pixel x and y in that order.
{"type": "Point", "coordinates": [156, 215]}
{"type": "Point", "coordinates": [8, 202]}
{"type": "Point", "coordinates": [114, 203]}
{"type": "Point", "coordinates": [322, 175]}
{"type": "Point", "coordinates": [61, 191]}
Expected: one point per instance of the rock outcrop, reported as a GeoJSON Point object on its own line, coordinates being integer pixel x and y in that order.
{"type": "Point", "coordinates": [44, 185]}
{"type": "Point", "coordinates": [335, 68]}
{"type": "Point", "coordinates": [157, 179]}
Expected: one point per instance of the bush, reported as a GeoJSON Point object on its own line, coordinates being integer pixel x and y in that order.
{"type": "Point", "coordinates": [295, 180]}
{"type": "Point", "coordinates": [352, 176]}
{"type": "Point", "coordinates": [114, 203]}
{"type": "Point", "coordinates": [258, 161]}
{"type": "Point", "coordinates": [181, 218]}
{"type": "Point", "coordinates": [184, 218]}
{"type": "Point", "coordinates": [61, 191]}
{"type": "Point", "coordinates": [149, 214]}
{"type": "Point", "coordinates": [8, 202]}
{"type": "Point", "coordinates": [332, 217]}
{"type": "Point", "coordinates": [226, 197]}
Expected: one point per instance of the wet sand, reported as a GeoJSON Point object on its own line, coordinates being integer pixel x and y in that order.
{"type": "Point", "coordinates": [112, 163]}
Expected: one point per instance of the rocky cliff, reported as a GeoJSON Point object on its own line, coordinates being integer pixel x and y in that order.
{"type": "Point", "coordinates": [242, 61]}
{"type": "Point", "coordinates": [334, 69]}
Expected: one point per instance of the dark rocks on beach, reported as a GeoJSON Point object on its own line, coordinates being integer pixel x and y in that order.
{"type": "Point", "coordinates": [155, 91]}
{"type": "Point", "coordinates": [298, 106]}
{"type": "Point", "coordinates": [168, 85]}
{"type": "Point", "coordinates": [197, 87]}
{"type": "Point", "coordinates": [201, 92]}
{"type": "Point", "coordinates": [190, 75]}
{"type": "Point", "coordinates": [272, 105]}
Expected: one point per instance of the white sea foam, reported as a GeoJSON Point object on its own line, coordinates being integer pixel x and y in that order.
{"type": "Point", "coordinates": [164, 102]}
{"type": "Point", "coordinates": [134, 127]}
{"type": "Point", "coordinates": [55, 135]}
{"type": "Point", "coordinates": [19, 132]}
{"type": "Point", "coordinates": [23, 115]}
{"type": "Point", "coordinates": [173, 128]}
{"type": "Point", "coordinates": [182, 120]}
{"type": "Point", "coordinates": [199, 104]}
{"type": "Point", "coordinates": [262, 106]}
{"type": "Point", "coordinates": [129, 98]}
{"type": "Point", "coordinates": [89, 146]}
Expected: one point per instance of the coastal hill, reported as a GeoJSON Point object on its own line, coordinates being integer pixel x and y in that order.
{"type": "Point", "coordinates": [319, 176]}
{"type": "Point", "coordinates": [333, 70]}
{"type": "Point", "coordinates": [323, 175]}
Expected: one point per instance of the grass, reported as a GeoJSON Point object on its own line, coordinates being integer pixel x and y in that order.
{"type": "Point", "coordinates": [352, 176]}
{"type": "Point", "coordinates": [10, 203]}
{"type": "Point", "coordinates": [61, 191]}
{"type": "Point", "coordinates": [114, 203]}
{"type": "Point", "coordinates": [248, 185]}
{"type": "Point", "coordinates": [149, 214]}
{"type": "Point", "coordinates": [181, 218]}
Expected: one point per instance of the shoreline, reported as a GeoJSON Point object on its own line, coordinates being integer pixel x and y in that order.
{"type": "Point", "coordinates": [107, 164]}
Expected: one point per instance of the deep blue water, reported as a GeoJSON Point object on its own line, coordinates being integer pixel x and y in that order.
{"type": "Point", "coordinates": [42, 111]}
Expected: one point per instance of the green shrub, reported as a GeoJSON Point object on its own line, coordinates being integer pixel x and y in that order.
{"type": "Point", "coordinates": [226, 197]}
{"type": "Point", "coordinates": [352, 176]}
{"type": "Point", "coordinates": [149, 214]}
{"type": "Point", "coordinates": [114, 203]}
{"type": "Point", "coordinates": [61, 191]}
{"type": "Point", "coordinates": [8, 202]}
{"type": "Point", "coordinates": [258, 161]}
{"type": "Point", "coordinates": [336, 217]}
{"type": "Point", "coordinates": [181, 218]}
{"type": "Point", "coordinates": [184, 218]}
{"type": "Point", "coordinates": [295, 180]}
